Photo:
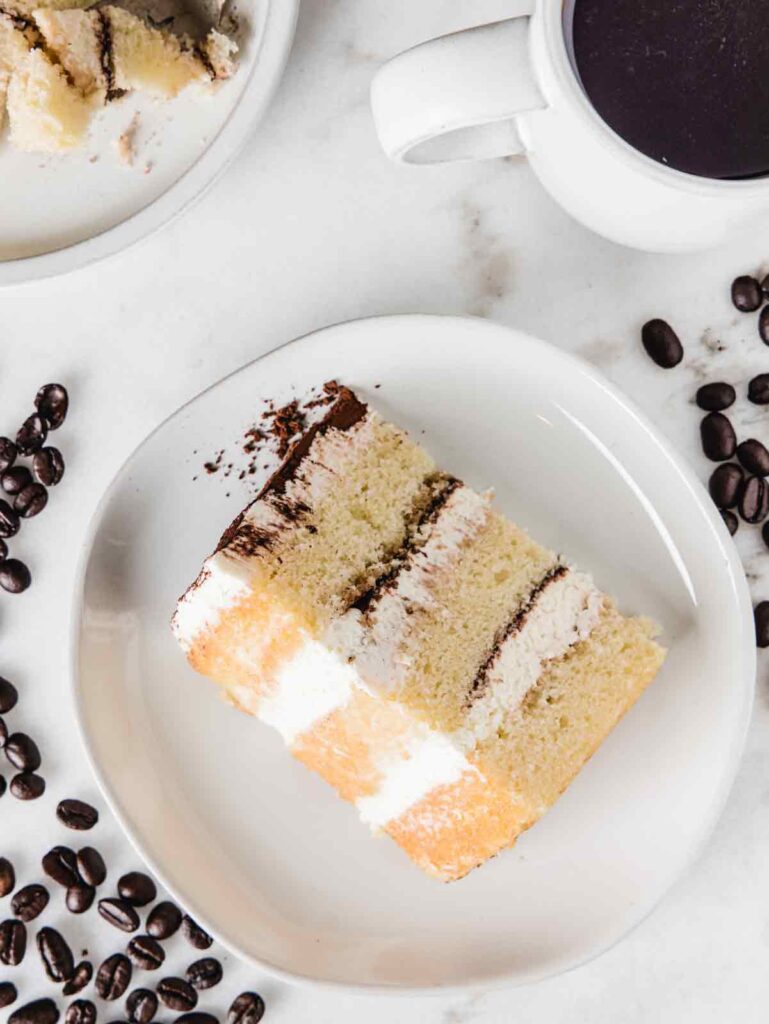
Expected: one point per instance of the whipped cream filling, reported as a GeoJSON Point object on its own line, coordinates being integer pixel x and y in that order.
{"type": "Point", "coordinates": [563, 614]}
{"type": "Point", "coordinates": [307, 688]}
{"type": "Point", "coordinates": [433, 760]}
{"type": "Point", "coordinates": [375, 639]}
{"type": "Point", "coordinates": [222, 582]}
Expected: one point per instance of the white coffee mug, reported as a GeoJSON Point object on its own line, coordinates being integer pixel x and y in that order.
{"type": "Point", "coordinates": [511, 87]}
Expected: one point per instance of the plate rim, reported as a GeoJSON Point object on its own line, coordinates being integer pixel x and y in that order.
{"type": "Point", "coordinates": [192, 185]}
{"type": "Point", "coordinates": [747, 670]}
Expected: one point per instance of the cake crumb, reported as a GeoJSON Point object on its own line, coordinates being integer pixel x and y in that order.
{"type": "Point", "coordinates": [126, 141]}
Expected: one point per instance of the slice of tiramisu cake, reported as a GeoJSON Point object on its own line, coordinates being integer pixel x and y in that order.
{"type": "Point", "coordinates": [440, 669]}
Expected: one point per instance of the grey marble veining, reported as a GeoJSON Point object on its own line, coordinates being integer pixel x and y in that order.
{"type": "Point", "coordinates": [312, 226]}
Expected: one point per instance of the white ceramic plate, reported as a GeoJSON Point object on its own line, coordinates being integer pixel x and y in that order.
{"type": "Point", "coordinates": [63, 212]}
{"type": "Point", "coordinates": [261, 850]}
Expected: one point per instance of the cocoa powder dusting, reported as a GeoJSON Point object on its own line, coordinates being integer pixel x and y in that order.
{"type": "Point", "coordinates": [278, 428]}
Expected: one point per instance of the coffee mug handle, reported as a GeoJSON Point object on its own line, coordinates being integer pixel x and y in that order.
{"type": "Point", "coordinates": [457, 97]}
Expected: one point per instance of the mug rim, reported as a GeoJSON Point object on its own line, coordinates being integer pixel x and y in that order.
{"type": "Point", "coordinates": [568, 81]}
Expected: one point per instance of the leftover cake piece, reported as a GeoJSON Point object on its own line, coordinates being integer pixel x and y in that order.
{"type": "Point", "coordinates": [45, 112]}
{"type": "Point", "coordinates": [444, 672]}
{"type": "Point", "coordinates": [14, 46]}
{"type": "Point", "coordinates": [88, 57]}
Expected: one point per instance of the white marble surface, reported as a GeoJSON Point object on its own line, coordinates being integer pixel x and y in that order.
{"type": "Point", "coordinates": [313, 226]}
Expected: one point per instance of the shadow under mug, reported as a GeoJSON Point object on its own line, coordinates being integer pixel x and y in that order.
{"type": "Point", "coordinates": [512, 87]}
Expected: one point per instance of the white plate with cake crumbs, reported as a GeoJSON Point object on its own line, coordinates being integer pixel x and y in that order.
{"type": "Point", "coordinates": [261, 850]}
{"type": "Point", "coordinates": [100, 147]}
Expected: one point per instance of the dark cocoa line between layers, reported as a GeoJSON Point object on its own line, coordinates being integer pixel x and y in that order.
{"type": "Point", "coordinates": [413, 541]}
{"type": "Point", "coordinates": [346, 411]}
{"type": "Point", "coordinates": [107, 56]}
{"type": "Point", "coordinates": [516, 623]}
{"type": "Point", "coordinates": [19, 21]}
{"type": "Point", "coordinates": [202, 54]}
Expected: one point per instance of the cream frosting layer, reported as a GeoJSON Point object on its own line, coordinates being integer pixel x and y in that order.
{"type": "Point", "coordinates": [222, 582]}
{"type": "Point", "coordinates": [432, 760]}
{"type": "Point", "coordinates": [375, 639]}
{"type": "Point", "coordinates": [565, 612]}
{"type": "Point", "coordinates": [307, 688]}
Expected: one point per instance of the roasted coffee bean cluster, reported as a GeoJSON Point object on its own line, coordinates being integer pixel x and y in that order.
{"type": "Point", "coordinates": [738, 487]}
{"type": "Point", "coordinates": [27, 488]}
{"type": "Point", "coordinates": [80, 874]}
{"type": "Point", "coordinates": [20, 750]}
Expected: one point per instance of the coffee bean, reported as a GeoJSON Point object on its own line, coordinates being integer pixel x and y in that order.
{"type": "Point", "coordinates": [91, 865]}
{"type": "Point", "coordinates": [164, 920]}
{"type": "Point", "coordinates": [13, 942]}
{"type": "Point", "coordinates": [3, 785]}
{"type": "Point", "coordinates": [80, 897]}
{"type": "Point", "coordinates": [119, 913]}
{"type": "Point", "coordinates": [56, 955]}
{"type": "Point", "coordinates": [7, 877]}
{"type": "Point", "coordinates": [114, 976]}
{"type": "Point", "coordinates": [27, 786]}
{"type": "Point", "coordinates": [48, 466]}
{"type": "Point", "coordinates": [8, 993]}
{"type": "Point", "coordinates": [82, 1011]}
{"type": "Point", "coordinates": [146, 952]}
{"type": "Point", "coordinates": [754, 457]}
{"type": "Point", "coordinates": [8, 453]}
{"type": "Point", "coordinates": [754, 500]}
{"type": "Point", "coordinates": [9, 521]}
{"type": "Point", "coordinates": [141, 1006]}
{"type": "Point", "coordinates": [763, 325]}
{"type": "Point", "coordinates": [716, 397]}
{"type": "Point", "coordinates": [13, 481]}
{"type": "Point", "coordinates": [177, 994]}
{"type": "Point", "coordinates": [746, 294]}
{"type": "Point", "coordinates": [137, 889]}
{"type": "Point", "coordinates": [60, 864]}
{"type": "Point", "coordinates": [731, 520]}
{"type": "Point", "coordinates": [32, 434]}
{"type": "Point", "coordinates": [80, 978]}
{"type": "Point", "coordinates": [77, 814]}
{"type": "Point", "coordinates": [662, 344]}
{"type": "Point", "coordinates": [725, 485]}
{"type": "Point", "coordinates": [204, 973]}
{"type": "Point", "coordinates": [15, 577]}
{"type": "Point", "coordinates": [3, 733]}
{"type": "Point", "coordinates": [41, 1011]}
{"type": "Point", "coordinates": [247, 1008]}
{"type": "Point", "coordinates": [719, 442]}
{"type": "Point", "coordinates": [761, 616]}
{"type": "Point", "coordinates": [31, 501]}
{"type": "Point", "coordinates": [3, 550]}
{"type": "Point", "coordinates": [21, 750]}
{"type": "Point", "coordinates": [758, 389]}
{"type": "Point", "coordinates": [197, 1017]}
{"type": "Point", "coordinates": [30, 902]}
{"type": "Point", "coordinates": [52, 402]}
{"type": "Point", "coordinates": [194, 934]}
{"type": "Point", "coordinates": [8, 696]}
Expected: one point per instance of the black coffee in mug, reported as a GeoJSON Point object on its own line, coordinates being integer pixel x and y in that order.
{"type": "Point", "coordinates": [684, 81]}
